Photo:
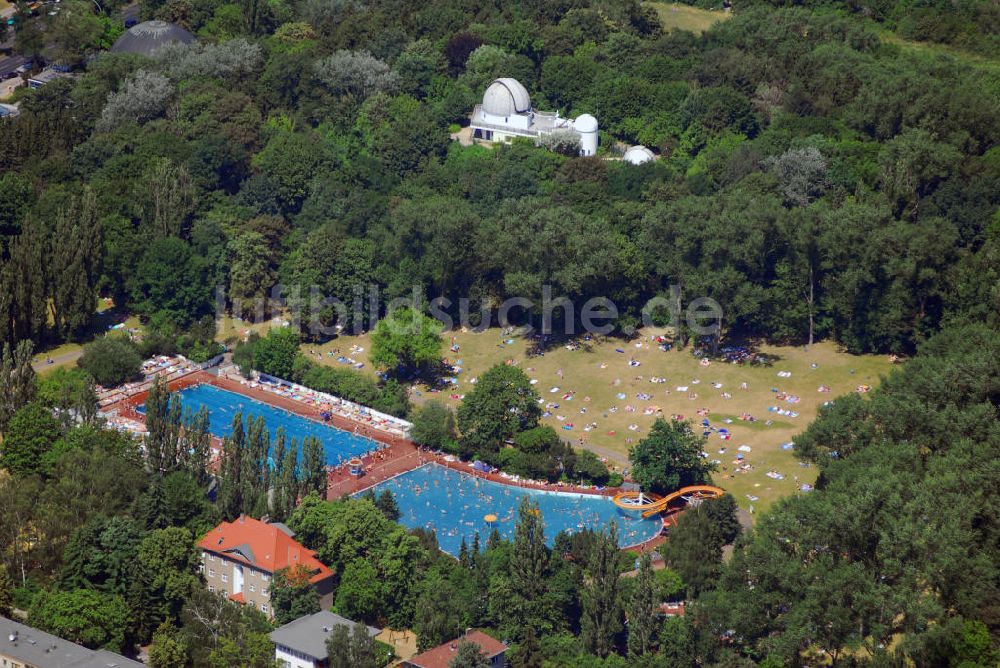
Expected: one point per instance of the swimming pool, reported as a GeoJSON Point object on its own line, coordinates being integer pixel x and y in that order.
{"type": "Point", "coordinates": [222, 405]}
{"type": "Point", "coordinates": [455, 504]}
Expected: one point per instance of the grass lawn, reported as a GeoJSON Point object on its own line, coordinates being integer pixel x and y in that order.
{"type": "Point", "coordinates": [596, 371]}
{"type": "Point", "coordinates": [685, 17]}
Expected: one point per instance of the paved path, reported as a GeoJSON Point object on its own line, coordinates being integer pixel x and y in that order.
{"type": "Point", "coordinates": [58, 360]}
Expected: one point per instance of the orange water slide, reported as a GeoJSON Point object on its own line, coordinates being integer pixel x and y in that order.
{"type": "Point", "coordinates": [651, 504]}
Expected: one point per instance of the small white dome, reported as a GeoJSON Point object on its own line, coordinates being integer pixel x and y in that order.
{"type": "Point", "coordinates": [506, 97]}
{"type": "Point", "coordinates": [585, 123]}
{"type": "Point", "coordinates": [637, 155]}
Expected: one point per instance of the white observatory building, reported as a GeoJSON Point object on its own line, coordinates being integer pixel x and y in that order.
{"type": "Point", "coordinates": [506, 113]}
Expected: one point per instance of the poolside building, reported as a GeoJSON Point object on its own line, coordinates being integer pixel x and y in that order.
{"type": "Point", "coordinates": [22, 646]}
{"type": "Point", "coordinates": [302, 643]}
{"type": "Point", "coordinates": [442, 655]}
{"type": "Point", "coordinates": [506, 112]}
{"type": "Point", "coordinates": [239, 560]}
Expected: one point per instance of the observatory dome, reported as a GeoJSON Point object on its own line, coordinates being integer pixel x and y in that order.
{"type": "Point", "coordinates": [145, 38]}
{"type": "Point", "coordinates": [506, 97]}
{"type": "Point", "coordinates": [637, 155]}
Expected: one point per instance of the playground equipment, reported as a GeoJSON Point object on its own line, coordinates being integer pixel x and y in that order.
{"type": "Point", "coordinates": [651, 504]}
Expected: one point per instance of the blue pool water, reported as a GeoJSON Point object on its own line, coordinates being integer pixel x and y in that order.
{"type": "Point", "coordinates": [455, 504]}
{"type": "Point", "coordinates": [222, 405]}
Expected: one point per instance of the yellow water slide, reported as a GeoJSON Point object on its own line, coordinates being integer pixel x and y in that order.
{"type": "Point", "coordinates": [651, 504]}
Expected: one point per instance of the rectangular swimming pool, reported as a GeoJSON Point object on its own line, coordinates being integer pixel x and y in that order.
{"type": "Point", "coordinates": [455, 505]}
{"type": "Point", "coordinates": [223, 405]}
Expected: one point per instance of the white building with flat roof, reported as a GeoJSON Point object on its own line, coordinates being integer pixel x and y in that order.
{"type": "Point", "coordinates": [506, 113]}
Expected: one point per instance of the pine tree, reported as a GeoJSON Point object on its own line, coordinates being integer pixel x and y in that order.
{"type": "Point", "coordinates": [642, 611]}
{"type": "Point", "coordinates": [463, 554]}
{"type": "Point", "coordinates": [386, 502]}
{"type": "Point", "coordinates": [529, 651]}
{"type": "Point", "coordinates": [602, 615]}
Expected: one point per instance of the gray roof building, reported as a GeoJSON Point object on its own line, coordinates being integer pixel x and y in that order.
{"type": "Point", "coordinates": [24, 645]}
{"type": "Point", "coordinates": [147, 37]}
{"type": "Point", "coordinates": [307, 635]}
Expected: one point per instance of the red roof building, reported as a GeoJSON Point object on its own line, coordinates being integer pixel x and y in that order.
{"type": "Point", "coordinates": [441, 656]}
{"type": "Point", "coordinates": [239, 559]}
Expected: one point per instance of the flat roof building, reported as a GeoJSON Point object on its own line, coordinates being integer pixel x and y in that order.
{"type": "Point", "coordinates": [302, 643]}
{"type": "Point", "coordinates": [22, 646]}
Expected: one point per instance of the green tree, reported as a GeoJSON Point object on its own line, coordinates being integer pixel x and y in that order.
{"type": "Point", "coordinates": [275, 353]}
{"type": "Point", "coordinates": [602, 611]}
{"type": "Point", "coordinates": [17, 380]}
{"type": "Point", "coordinates": [101, 555]}
{"type": "Point", "coordinates": [313, 473]}
{"type": "Point", "coordinates": [71, 393]}
{"type": "Point", "coordinates": [669, 458]}
{"type": "Point", "coordinates": [386, 503]}
{"type": "Point", "coordinates": [362, 648]}
{"type": "Point", "coordinates": [292, 595]}
{"type": "Point", "coordinates": [6, 591]}
{"type": "Point", "coordinates": [642, 610]}
{"type": "Point", "coordinates": [338, 647]}
{"type": "Point", "coordinates": [170, 282]}
{"type": "Point", "coordinates": [167, 573]}
{"type": "Point", "coordinates": [502, 403]}
{"type": "Point", "coordinates": [76, 259]}
{"type": "Point", "coordinates": [30, 435]}
{"type": "Point", "coordinates": [360, 594]}
{"type": "Point", "coordinates": [166, 650]}
{"type": "Point", "coordinates": [83, 616]}
{"type": "Point", "coordinates": [406, 342]}
{"type": "Point", "coordinates": [469, 655]}
{"type": "Point", "coordinates": [434, 426]}
{"type": "Point", "coordinates": [110, 360]}
{"type": "Point", "coordinates": [695, 550]}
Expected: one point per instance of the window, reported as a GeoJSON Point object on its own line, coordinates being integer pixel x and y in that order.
{"type": "Point", "coordinates": [211, 574]}
{"type": "Point", "coordinates": [253, 587]}
{"type": "Point", "coordinates": [264, 591]}
{"type": "Point", "coordinates": [225, 578]}
{"type": "Point", "coordinates": [211, 588]}
{"type": "Point", "coordinates": [211, 557]}
{"type": "Point", "coordinates": [223, 593]}
{"type": "Point", "coordinates": [265, 576]}
{"type": "Point", "coordinates": [263, 607]}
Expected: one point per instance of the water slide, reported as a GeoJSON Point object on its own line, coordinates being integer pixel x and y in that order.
{"type": "Point", "coordinates": [651, 504]}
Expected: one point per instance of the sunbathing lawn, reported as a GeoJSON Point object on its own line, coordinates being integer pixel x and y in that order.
{"type": "Point", "coordinates": [582, 374]}
{"type": "Point", "coordinates": [685, 17]}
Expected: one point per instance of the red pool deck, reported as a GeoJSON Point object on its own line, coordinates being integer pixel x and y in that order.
{"type": "Point", "coordinates": [398, 455]}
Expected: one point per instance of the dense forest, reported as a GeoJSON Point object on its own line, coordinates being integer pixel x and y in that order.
{"type": "Point", "coordinates": [818, 176]}
{"type": "Point", "coordinates": [814, 179]}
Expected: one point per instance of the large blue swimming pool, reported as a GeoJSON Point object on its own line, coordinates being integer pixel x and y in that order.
{"type": "Point", "coordinates": [455, 504]}
{"type": "Point", "coordinates": [222, 405]}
